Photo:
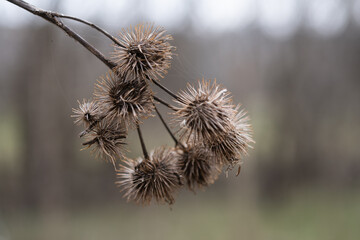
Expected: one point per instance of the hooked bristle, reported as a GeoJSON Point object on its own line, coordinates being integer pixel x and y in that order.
{"type": "Point", "coordinates": [107, 140]}
{"type": "Point", "coordinates": [146, 51]}
{"type": "Point", "coordinates": [87, 113]}
{"type": "Point", "coordinates": [230, 147]}
{"type": "Point", "coordinates": [127, 101]}
{"type": "Point", "coordinates": [204, 112]}
{"type": "Point", "coordinates": [199, 166]}
{"type": "Point", "coordinates": [155, 178]}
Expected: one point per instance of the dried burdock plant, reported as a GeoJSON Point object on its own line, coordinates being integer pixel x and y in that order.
{"type": "Point", "coordinates": [204, 112]}
{"type": "Point", "coordinates": [107, 140]}
{"type": "Point", "coordinates": [213, 131]}
{"type": "Point", "coordinates": [207, 115]}
{"type": "Point", "coordinates": [155, 178]}
{"type": "Point", "coordinates": [198, 166]}
{"type": "Point", "coordinates": [87, 113]}
{"type": "Point", "coordinates": [145, 51]}
{"type": "Point", "coordinates": [124, 100]}
{"type": "Point", "coordinates": [229, 148]}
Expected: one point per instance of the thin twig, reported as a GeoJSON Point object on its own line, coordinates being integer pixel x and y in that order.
{"type": "Point", "coordinates": [143, 147]}
{"type": "Point", "coordinates": [51, 17]}
{"type": "Point", "coordinates": [112, 38]}
{"type": "Point", "coordinates": [167, 128]}
{"type": "Point", "coordinates": [164, 103]}
{"type": "Point", "coordinates": [157, 83]}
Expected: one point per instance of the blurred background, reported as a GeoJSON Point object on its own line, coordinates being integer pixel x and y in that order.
{"type": "Point", "coordinates": [293, 64]}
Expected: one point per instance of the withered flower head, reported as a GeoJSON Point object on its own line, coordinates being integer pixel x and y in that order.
{"type": "Point", "coordinates": [198, 166]}
{"type": "Point", "coordinates": [146, 51]}
{"type": "Point", "coordinates": [128, 101]}
{"type": "Point", "coordinates": [158, 177]}
{"type": "Point", "coordinates": [107, 140]}
{"type": "Point", "coordinates": [87, 113]}
{"type": "Point", "coordinates": [231, 146]}
{"type": "Point", "coordinates": [204, 112]}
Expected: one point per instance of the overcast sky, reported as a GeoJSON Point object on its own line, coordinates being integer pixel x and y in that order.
{"type": "Point", "coordinates": [278, 18]}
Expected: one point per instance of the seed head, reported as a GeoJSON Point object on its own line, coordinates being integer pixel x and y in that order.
{"type": "Point", "coordinates": [127, 101]}
{"type": "Point", "coordinates": [87, 113]}
{"type": "Point", "coordinates": [199, 166]}
{"type": "Point", "coordinates": [157, 177]}
{"type": "Point", "coordinates": [146, 51]}
{"type": "Point", "coordinates": [107, 140]}
{"type": "Point", "coordinates": [204, 112]}
{"type": "Point", "coordinates": [231, 146]}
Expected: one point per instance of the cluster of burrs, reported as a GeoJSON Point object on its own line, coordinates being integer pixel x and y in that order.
{"type": "Point", "coordinates": [212, 132]}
